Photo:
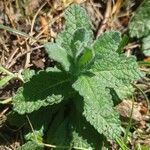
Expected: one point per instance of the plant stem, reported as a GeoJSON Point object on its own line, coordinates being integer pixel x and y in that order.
{"type": "Point", "coordinates": [2, 69]}
{"type": "Point", "coordinates": [6, 101]}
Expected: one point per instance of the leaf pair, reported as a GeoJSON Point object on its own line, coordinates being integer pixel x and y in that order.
{"type": "Point", "coordinates": [72, 61]}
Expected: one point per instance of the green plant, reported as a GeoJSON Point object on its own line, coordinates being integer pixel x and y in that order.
{"type": "Point", "coordinates": [72, 104]}
{"type": "Point", "coordinates": [139, 26]}
{"type": "Point", "coordinates": [7, 76]}
{"type": "Point", "coordinates": [5, 79]}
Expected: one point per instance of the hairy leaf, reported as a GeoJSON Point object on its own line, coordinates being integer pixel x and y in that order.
{"type": "Point", "coordinates": [83, 134]}
{"type": "Point", "coordinates": [23, 105]}
{"type": "Point", "coordinates": [59, 134]}
{"type": "Point", "coordinates": [114, 70]}
{"type": "Point", "coordinates": [45, 88]}
{"type": "Point", "coordinates": [146, 45]}
{"type": "Point", "coordinates": [72, 131]}
{"type": "Point", "coordinates": [86, 57]}
{"type": "Point", "coordinates": [98, 106]}
{"type": "Point", "coordinates": [85, 137]}
{"type": "Point", "coordinates": [81, 39]}
{"type": "Point", "coordinates": [58, 54]}
{"type": "Point", "coordinates": [27, 74]}
{"type": "Point", "coordinates": [76, 17]}
{"type": "Point", "coordinates": [139, 25]}
{"type": "Point", "coordinates": [107, 44]}
{"type": "Point", "coordinates": [76, 20]}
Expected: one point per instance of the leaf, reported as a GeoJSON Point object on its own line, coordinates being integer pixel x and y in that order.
{"type": "Point", "coordinates": [72, 131]}
{"type": "Point", "coordinates": [58, 54]}
{"type": "Point", "coordinates": [45, 88]}
{"type": "Point", "coordinates": [146, 45]}
{"type": "Point", "coordinates": [139, 24]}
{"type": "Point", "coordinates": [37, 135]}
{"type": "Point", "coordinates": [30, 145]}
{"type": "Point", "coordinates": [122, 91]}
{"type": "Point", "coordinates": [83, 134]}
{"type": "Point", "coordinates": [114, 71]}
{"type": "Point", "coordinates": [107, 44]}
{"type": "Point", "coordinates": [39, 119]}
{"type": "Point", "coordinates": [23, 105]}
{"type": "Point", "coordinates": [86, 57]}
{"type": "Point", "coordinates": [27, 74]}
{"type": "Point", "coordinates": [98, 106]}
{"type": "Point", "coordinates": [59, 132]}
{"type": "Point", "coordinates": [76, 18]}
{"type": "Point", "coordinates": [81, 39]}
{"type": "Point", "coordinates": [85, 137]}
{"type": "Point", "coordinates": [117, 73]}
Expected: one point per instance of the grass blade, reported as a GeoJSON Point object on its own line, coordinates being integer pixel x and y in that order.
{"type": "Point", "coordinates": [14, 31]}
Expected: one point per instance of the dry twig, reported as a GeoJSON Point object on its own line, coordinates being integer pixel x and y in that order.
{"type": "Point", "coordinates": [106, 18]}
